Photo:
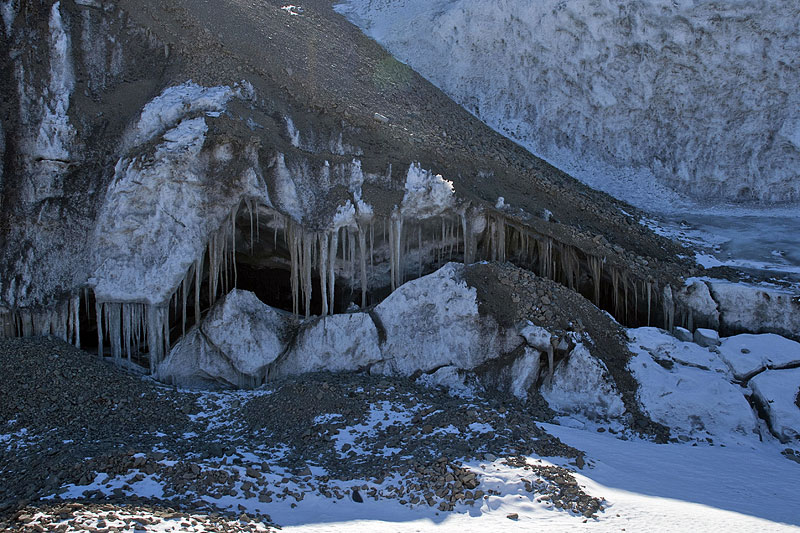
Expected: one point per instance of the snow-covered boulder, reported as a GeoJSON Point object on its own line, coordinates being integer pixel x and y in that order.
{"type": "Point", "coordinates": [335, 343]}
{"type": "Point", "coordinates": [233, 346]}
{"type": "Point", "coordinates": [582, 386]}
{"type": "Point", "coordinates": [433, 321]}
{"type": "Point", "coordinates": [688, 388]}
{"type": "Point", "coordinates": [748, 354]}
{"type": "Point", "coordinates": [706, 337]}
{"type": "Point", "coordinates": [777, 391]}
{"type": "Point", "coordinates": [683, 334]}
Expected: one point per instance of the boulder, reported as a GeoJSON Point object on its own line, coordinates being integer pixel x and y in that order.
{"type": "Point", "coordinates": [233, 345]}
{"type": "Point", "coordinates": [706, 337]}
{"type": "Point", "coordinates": [683, 334]}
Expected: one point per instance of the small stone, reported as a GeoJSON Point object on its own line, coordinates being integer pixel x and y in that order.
{"type": "Point", "coordinates": [512, 516]}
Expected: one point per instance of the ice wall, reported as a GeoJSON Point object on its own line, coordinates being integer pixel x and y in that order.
{"type": "Point", "coordinates": [700, 95]}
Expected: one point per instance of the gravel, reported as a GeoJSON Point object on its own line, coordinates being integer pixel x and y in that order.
{"type": "Point", "coordinates": [82, 431]}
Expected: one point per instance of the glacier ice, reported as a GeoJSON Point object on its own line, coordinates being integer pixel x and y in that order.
{"type": "Point", "coordinates": [698, 95]}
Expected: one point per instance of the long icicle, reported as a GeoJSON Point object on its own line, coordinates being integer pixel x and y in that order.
{"type": "Point", "coordinates": [323, 271]}
{"type": "Point", "coordinates": [362, 248]}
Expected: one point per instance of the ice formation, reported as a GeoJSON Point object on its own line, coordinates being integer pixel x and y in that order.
{"type": "Point", "coordinates": [698, 94]}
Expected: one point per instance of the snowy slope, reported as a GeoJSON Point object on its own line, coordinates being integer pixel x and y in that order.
{"type": "Point", "coordinates": [628, 96]}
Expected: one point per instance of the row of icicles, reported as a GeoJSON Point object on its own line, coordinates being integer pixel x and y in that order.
{"type": "Point", "coordinates": [410, 247]}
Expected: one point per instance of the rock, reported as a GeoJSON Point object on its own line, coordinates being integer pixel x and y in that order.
{"type": "Point", "coordinates": [513, 516]}
{"type": "Point", "coordinates": [357, 496]}
{"type": "Point", "coordinates": [706, 337]}
{"type": "Point", "coordinates": [683, 334]}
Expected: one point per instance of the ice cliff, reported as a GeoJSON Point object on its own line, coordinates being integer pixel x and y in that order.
{"type": "Point", "coordinates": [699, 96]}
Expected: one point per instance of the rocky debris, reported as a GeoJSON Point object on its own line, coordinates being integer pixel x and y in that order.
{"type": "Point", "coordinates": [706, 338]}
{"type": "Point", "coordinates": [138, 516]}
{"type": "Point", "coordinates": [316, 434]}
{"type": "Point", "coordinates": [568, 495]}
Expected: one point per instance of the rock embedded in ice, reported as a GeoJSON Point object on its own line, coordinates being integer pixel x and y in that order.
{"type": "Point", "coordinates": [337, 343]}
{"type": "Point", "coordinates": [706, 337]}
{"type": "Point", "coordinates": [777, 391]}
{"type": "Point", "coordinates": [582, 386]}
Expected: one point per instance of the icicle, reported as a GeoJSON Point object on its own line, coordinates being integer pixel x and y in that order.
{"type": "Point", "coordinates": [649, 290]}
{"type": "Point", "coordinates": [157, 334]}
{"type": "Point", "coordinates": [98, 309]}
{"type": "Point", "coordinates": [467, 258]}
{"type": "Point", "coordinates": [233, 244]}
{"type": "Point", "coordinates": [76, 329]}
{"type": "Point", "coordinates": [334, 246]}
{"type": "Point", "coordinates": [308, 243]}
{"type": "Point", "coordinates": [395, 237]}
{"type": "Point", "coordinates": [250, 212]}
{"type": "Point", "coordinates": [419, 250]}
{"type": "Point", "coordinates": [594, 264]}
{"type": "Point", "coordinates": [615, 286]}
{"type": "Point", "coordinates": [198, 280]}
{"type": "Point", "coordinates": [669, 309]}
{"type": "Point", "coordinates": [371, 246]}
{"type": "Point", "coordinates": [362, 247]}
{"type": "Point", "coordinates": [293, 255]}
{"type": "Point", "coordinates": [184, 294]}
{"type": "Point", "coordinates": [323, 271]}
{"type": "Point", "coordinates": [625, 291]}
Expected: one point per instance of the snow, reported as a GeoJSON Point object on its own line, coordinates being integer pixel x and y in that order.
{"type": "Point", "coordinates": [581, 387]}
{"type": "Point", "coordinates": [174, 103]}
{"type": "Point", "coordinates": [778, 392]}
{"type": "Point", "coordinates": [687, 488]}
{"type": "Point", "coordinates": [426, 194]}
{"type": "Point", "coordinates": [748, 354]}
{"type": "Point", "coordinates": [689, 389]}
